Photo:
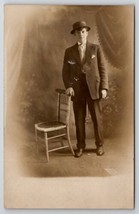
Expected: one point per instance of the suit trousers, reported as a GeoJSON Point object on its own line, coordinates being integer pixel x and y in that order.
{"type": "Point", "coordinates": [80, 102]}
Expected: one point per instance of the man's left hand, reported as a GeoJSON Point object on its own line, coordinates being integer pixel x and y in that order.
{"type": "Point", "coordinates": [103, 93]}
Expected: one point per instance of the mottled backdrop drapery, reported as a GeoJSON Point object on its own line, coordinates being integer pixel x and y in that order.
{"type": "Point", "coordinates": [116, 39]}
{"type": "Point", "coordinates": [35, 40]}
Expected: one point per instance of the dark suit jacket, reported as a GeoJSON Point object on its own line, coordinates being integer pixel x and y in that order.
{"type": "Point", "coordinates": [93, 66]}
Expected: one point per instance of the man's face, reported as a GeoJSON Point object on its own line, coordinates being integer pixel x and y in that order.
{"type": "Point", "coordinates": [81, 35]}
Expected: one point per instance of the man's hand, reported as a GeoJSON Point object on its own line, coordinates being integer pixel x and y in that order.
{"type": "Point", "coordinates": [104, 93]}
{"type": "Point", "coordinates": [70, 91]}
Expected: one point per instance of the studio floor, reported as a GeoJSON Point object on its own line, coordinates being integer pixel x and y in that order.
{"type": "Point", "coordinates": [68, 182]}
{"type": "Point", "coordinates": [116, 160]}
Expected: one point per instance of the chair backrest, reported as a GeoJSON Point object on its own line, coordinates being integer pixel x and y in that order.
{"type": "Point", "coordinates": [63, 106]}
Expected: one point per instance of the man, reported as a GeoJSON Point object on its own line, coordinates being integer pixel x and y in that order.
{"type": "Point", "coordinates": [86, 80]}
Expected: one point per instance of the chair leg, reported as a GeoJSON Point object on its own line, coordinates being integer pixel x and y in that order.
{"type": "Point", "coordinates": [69, 141]}
{"type": "Point", "coordinates": [46, 144]}
{"type": "Point", "coordinates": [36, 138]}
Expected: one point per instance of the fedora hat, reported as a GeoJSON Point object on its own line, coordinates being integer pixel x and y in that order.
{"type": "Point", "coordinates": [79, 25]}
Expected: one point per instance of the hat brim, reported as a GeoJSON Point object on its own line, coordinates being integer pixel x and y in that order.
{"type": "Point", "coordinates": [88, 28]}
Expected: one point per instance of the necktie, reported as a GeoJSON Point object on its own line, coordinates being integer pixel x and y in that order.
{"type": "Point", "coordinates": [81, 49]}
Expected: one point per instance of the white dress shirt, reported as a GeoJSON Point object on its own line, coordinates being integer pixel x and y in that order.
{"type": "Point", "coordinates": [82, 49]}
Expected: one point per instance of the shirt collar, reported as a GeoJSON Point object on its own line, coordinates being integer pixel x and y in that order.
{"type": "Point", "coordinates": [83, 45]}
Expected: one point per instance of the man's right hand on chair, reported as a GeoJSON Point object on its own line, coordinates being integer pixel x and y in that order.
{"type": "Point", "coordinates": [70, 91]}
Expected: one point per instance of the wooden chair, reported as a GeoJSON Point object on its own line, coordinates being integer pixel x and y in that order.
{"type": "Point", "coordinates": [62, 123]}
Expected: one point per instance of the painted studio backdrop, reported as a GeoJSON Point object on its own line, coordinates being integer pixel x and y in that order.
{"type": "Point", "coordinates": [35, 40]}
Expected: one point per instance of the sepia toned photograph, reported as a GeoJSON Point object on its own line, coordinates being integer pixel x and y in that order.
{"type": "Point", "coordinates": [69, 106]}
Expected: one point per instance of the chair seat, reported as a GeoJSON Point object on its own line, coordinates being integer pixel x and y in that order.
{"type": "Point", "coordinates": [50, 126]}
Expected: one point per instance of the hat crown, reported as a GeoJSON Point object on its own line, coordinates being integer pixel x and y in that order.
{"type": "Point", "coordinates": [79, 25]}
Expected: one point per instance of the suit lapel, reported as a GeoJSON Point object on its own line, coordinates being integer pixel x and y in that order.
{"type": "Point", "coordinates": [88, 51]}
{"type": "Point", "coordinates": [76, 53]}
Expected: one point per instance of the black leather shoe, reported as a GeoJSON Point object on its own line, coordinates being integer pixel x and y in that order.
{"type": "Point", "coordinates": [100, 151]}
{"type": "Point", "coordinates": [78, 153]}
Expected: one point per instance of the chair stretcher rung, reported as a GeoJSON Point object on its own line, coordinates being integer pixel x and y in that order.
{"type": "Point", "coordinates": [62, 147]}
{"type": "Point", "coordinates": [60, 135]}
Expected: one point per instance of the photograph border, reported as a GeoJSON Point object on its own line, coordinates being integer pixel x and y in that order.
{"type": "Point", "coordinates": [81, 2]}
